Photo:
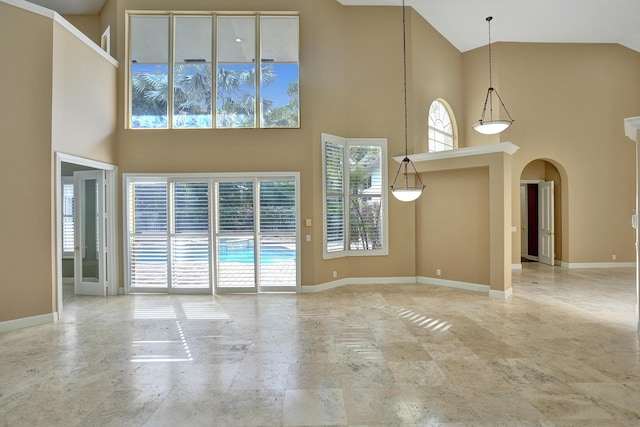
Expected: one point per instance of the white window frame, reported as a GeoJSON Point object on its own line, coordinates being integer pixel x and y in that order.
{"type": "Point", "coordinates": [452, 120]}
{"type": "Point", "coordinates": [211, 178]}
{"type": "Point", "coordinates": [258, 111]}
{"type": "Point", "coordinates": [346, 143]}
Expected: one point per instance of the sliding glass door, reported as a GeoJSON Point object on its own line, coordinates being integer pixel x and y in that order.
{"type": "Point", "coordinates": [193, 235]}
{"type": "Point", "coordinates": [168, 226]}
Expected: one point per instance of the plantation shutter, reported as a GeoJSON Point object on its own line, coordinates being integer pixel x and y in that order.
{"type": "Point", "coordinates": [68, 239]}
{"type": "Point", "coordinates": [190, 235]}
{"type": "Point", "coordinates": [335, 196]}
{"type": "Point", "coordinates": [148, 226]}
{"type": "Point", "coordinates": [277, 233]}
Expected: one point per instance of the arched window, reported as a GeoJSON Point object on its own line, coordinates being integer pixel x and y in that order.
{"type": "Point", "coordinates": [442, 132]}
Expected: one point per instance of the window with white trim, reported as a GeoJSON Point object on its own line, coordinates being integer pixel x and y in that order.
{"type": "Point", "coordinates": [441, 127]}
{"type": "Point", "coordinates": [355, 196]}
{"type": "Point", "coordinates": [172, 83]}
{"type": "Point", "coordinates": [68, 236]}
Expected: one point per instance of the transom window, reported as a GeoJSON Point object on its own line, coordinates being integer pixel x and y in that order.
{"type": "Point", "coordinates": [181, 52]}
{"type": "Point", "coordinates": [355, 200]}
{"type": "Point", "coordinates": [441, 127]}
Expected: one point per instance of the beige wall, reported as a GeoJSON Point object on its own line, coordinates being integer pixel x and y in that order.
{"type": "Point", "coordinates": [569, 102]}
{"type": "Point", "coordinates": [60, 96]}
{"type": "Point", "coordinates": [25, 134]}
{"type": "Point", "coordinates": [346, 89]}
{"type": "Point", "coordinates": [84, 99]}
{"type": "Point", "coordinates": [453, 226]}
{"type": "Point", "coordinates": [88, 24]}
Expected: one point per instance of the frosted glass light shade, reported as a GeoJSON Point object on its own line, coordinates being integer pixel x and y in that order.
{"type": "Point", "coordinates": [407, 194]}
{"type": "Point", "coordinates": [492, 127]}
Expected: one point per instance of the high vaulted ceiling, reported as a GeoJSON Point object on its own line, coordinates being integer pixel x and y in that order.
{"type": "Point", "coordinates": [462, 22]}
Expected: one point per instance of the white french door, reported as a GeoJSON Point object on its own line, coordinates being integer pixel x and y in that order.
{"type": "Point", "coordinates": [235, 234]}
{"type": "Point", "coordinates": [90, 252]}
{"type": "Point", "coordinates": [545, 219]}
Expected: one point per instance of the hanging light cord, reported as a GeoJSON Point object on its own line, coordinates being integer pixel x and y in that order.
{"type": "Point", "coordinates": [490, 77]}
{"type": "Point", "coordinates": [488, 98]}
{"type": "Point", "coordinates": [404, 63]}
{"type": "Point", "coordinates": [406, 161]}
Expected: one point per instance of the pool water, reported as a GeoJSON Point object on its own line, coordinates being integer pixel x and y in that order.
{"type": "Point", "coordinates": [268, 255]}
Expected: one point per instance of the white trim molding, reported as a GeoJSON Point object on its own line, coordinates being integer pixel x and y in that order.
{"type": "Point", "coordinates": [26, 322]}
{"type": "Point", "coordinates": [516, 266]}
{"type": "Point", "coordinates": [500, 147]}
{"type": "Point", "coordinates": [503, 295]}
{"type": "Point", "coordinates": [56, 17]}
{"type": "Point", "coordinates": [420, 280]}
{"type": "Point", "coordinates": [476, 287]}
{"type": "Point", "coordinates": [308, 289]}
{"type": "Point", "coordinates": [631, 127]}
{"type": "Point", "coordinates": [564, 264]}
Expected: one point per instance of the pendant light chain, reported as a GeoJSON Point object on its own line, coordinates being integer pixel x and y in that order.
{"type": "Point", "coordinates": [492, 127]}
{"type": "Point", "coordinates": [490, 74]}
{"type": "Point", "coordinates": [404, 63]}
{"type": "Point", "coordinates": [406, 193]}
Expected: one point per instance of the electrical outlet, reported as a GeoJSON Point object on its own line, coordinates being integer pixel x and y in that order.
{"type": "Point", "coordinates": [438, 272]}
{"type": "Point", "coordinates": [613, 257]}
{"type": "Point", "coordinates": [335, 274]}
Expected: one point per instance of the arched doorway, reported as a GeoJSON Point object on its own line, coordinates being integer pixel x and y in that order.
{"type": "Point", "coordinates": [541, 195]}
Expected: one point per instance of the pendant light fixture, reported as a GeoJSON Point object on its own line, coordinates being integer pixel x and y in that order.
{"type": "Point", "coordinates": [404, 193]}
{"type": "Point", "coordinates": [490, 126]}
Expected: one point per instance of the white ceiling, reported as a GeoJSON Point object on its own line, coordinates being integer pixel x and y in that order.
{"type": "Point", "coordinates": [462, 22]}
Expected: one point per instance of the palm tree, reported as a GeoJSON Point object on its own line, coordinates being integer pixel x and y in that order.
{"type": "Point", "coordinates": [235, 96]}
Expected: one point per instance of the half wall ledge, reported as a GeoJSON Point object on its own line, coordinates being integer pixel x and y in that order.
{"type": "Point", "coordinates": [497, 158]}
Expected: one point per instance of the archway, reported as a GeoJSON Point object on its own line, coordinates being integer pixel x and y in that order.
{"type": "Point", "coordinates": [542, 192]}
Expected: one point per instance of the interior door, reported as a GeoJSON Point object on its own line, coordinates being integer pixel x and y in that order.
{"type": "Point", "coordinates": [547, 238]}
{"type": "Point", "coordinates": [90, 248]}
{"type": "Point", "coordinates": [524, 218]}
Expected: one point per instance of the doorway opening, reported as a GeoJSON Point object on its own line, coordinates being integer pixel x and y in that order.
{"type": "Point", "coordinates": [86, 229]}
{"type": "Point", "coordinates": [541, 190]}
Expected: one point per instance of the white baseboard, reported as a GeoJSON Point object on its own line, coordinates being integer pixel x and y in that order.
{"type": "Point", "coordinates": [305, 289]}
{"type": "Point", "coordinates": [503, 295]}
{"type": "Point", "coordinates": [68, 280]}
{"type": "Point", "coordinates": [597, 264]}
{"type": "Point", "coordinates": [516, 266]}
{"type": "Point", "coordinates": [486, 289]}
{"type": "Point", "coordinates": [26, 322]}
{"type": "Point", "coordinates": [454, 284]}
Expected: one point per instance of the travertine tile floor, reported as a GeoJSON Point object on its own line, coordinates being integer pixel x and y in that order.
{"type": "Point", "coordinates": [563, 351]}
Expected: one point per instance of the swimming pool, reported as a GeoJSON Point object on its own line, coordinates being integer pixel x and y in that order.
{"type": "Point", "coordinates": [271, 254]}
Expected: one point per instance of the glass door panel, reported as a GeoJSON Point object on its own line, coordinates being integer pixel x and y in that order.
{"type": "Point", "coordinates": [236, 263]}
{"type": "Point", "coordinates": [148, 244]}
{"type": "Point", "coordinates": [235, 237]}
{"type": "Point", "coordinates": [190, 236]}
{"type": "Point", "coordinates": [277, 235]}
{"type": "Point", "coordinates": [278, 262]}
{"type": "Point", "coordinates": [89, 235]}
